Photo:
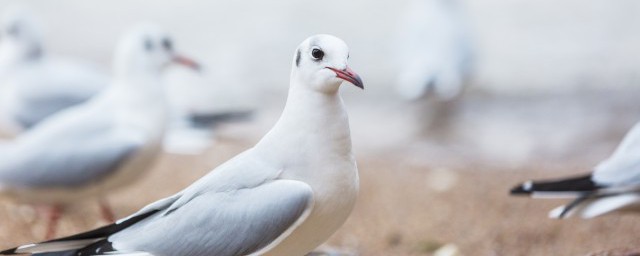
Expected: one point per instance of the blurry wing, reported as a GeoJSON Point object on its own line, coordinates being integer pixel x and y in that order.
{"type": "Point", "coordinates": [594, 207]}
{"type": "Point", "coordinates": [237, 222]}
{"type": "Point", "coordinates": [623, 170]}
{"type": "Point", "coordinates": [69, 151]}
{"type": "Point", "coordinates": [54, 85]}
{"type": "Point", "coordinates": [618, 174]}
{"type": "Point", "coordinates": [604, 205]}
{"type": "Point", "coordinates": [32, 110]}
{"type": "Point", "coordinates": [623, 167]}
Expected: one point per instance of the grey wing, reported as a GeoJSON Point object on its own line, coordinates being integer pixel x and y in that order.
{"type": "Point", "coordinates": [70, 154]}
{"type": "Point", "coordinates": [34, 110]}
{"type": "Point", "coordinates": [55, 85]}
{"type": "Point", "coordinates": [623, 167]}
{"type": "Point", "coordinates": [237, 222]}
{"type": "Point", "coordinates": [619, 170]}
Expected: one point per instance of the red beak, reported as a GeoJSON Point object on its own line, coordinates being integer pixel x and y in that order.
{"type": "Point", "coordinates": [348, 75]}
{"type": "Point", "coordinates": [182, 60]}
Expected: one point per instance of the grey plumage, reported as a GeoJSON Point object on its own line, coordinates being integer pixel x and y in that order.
{"type": "Point", "coordinates": [63, 154]}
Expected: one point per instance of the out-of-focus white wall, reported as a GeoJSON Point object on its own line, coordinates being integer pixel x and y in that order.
{"type": "Point", "coordinates": [521, 45]}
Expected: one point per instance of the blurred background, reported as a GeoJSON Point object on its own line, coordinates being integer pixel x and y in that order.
{"type": "Point", "coordinates": [551, 88]}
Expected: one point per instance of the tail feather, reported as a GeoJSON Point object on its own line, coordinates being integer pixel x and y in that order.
{"type": "Point", "coordinates": [591, 207]}
{"type": "Point", "coordinates": [604, 205]}
{"type": "Point", "coordinates": [59, 246]}
{"type": "Point", "coordinates": [87, 243]}
{"type": "Point", "coordinates": [571, 187]}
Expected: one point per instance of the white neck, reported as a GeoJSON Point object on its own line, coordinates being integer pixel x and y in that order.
{"type": "Point", "coordinates": [140, 103]}
{"type": "Point", "coordinates": [313, 124]}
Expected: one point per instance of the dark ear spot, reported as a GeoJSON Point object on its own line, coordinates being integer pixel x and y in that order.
{"type": "Point", "coordinates": [148, 45]}
{"type": "Point", "coordinates": [298, 58]}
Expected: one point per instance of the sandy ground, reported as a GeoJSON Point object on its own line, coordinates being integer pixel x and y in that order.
{"type": "Point", "coordinates": [399, 212]}
{"type": "Point", "coordinates": [417, 193]}
{"type": "Point", "coordinates": [420, 193]}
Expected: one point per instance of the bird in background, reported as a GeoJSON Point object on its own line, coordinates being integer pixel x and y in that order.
{"type": "Point", "coordinates": [91, 149]}
{"type": "Point", "coordinates": [285, 196]}
{"type": "Point", "coordinates": [33, 83]}
{"type": "Point", "coordinates": [613, 185]}
{"type": "Point", "coordinates": [434, 50]}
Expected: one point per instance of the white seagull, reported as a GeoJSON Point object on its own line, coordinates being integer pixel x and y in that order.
{"type": "Point", "coordinates": [33, 84]}
{"type": "Point", "coordinates": [107, 142]}
{"type": "Point", "coordinates": [613, 185]}
{"type": "Point", "coordinates": [433, 50]}
{"type": "Point", "coordinates": [284, 196]}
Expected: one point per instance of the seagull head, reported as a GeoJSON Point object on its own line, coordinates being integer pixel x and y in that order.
{"type": "Point", "coordinates": [148, 49]}
{"type": "Point", "coordinates": [20, 36]}
{"type": "Point", "coordinates": [320, 62]}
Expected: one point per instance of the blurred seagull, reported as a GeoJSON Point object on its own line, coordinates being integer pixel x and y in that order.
{"type": "Point", "coordinates": [284, 196]}
{"type": "Point", "coordinates": [90, 149]}
{"type": "Point", "coordinates": [433, 49]}
{"type": "Point", "coordinates": [33, 84]}
{"type": "Point", "coordinates": [613, 185]}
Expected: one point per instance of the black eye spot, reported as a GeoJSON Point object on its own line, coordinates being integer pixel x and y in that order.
{"type": "Point", "coordinates": [298, 58]}
{"type": "Point", "coordinates": [167, 44]}
{"type": "Point", "coordinates": [317, 54]}
{"type": "Point", "coordinates": [148, 45]}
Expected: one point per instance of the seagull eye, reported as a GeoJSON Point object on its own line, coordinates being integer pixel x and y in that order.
{"type": "Point", "coordinates": [317, 54]}
{"type": "Point", "coordinates": [167, 44]}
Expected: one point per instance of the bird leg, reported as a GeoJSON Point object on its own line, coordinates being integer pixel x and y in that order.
{"type": "Point", "coordinates": [105, 210]}
{"type": "Point", "coordinates": [54, 213]}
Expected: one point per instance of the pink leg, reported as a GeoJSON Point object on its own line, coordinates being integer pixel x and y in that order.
{"type": "Point", "coordinates": [53, 217]}
{"type": "Point", "coordinates": [105, 210]}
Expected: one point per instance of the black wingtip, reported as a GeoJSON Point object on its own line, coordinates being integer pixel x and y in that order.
{"type": "Point", "coordinates": [11, 251]}
{"type": "Point", "coordinates": [574, 184]}
{"type": "Point", "coordinates": [522, 189]}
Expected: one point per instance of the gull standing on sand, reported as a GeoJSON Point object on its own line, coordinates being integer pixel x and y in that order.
{"type": "Point", "coordinates": [107, 142]}
{"type": "Point", "coordinates": [284, 196]}
{"type": "Point", "coordinates": [613, 185]}
{"type": "Point", "coordinates": [33, 84]}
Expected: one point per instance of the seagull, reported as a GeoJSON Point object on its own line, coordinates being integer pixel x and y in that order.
{"type": "Point", "coordinates": [105, 143]}
{"type": "Point", "coordinates": [33, 84]}
{"type": "Point", "coordinates": [284, 196]}
{"type": "Point", "coordinates": [613, 185]}
{"type": "Point", "coordinates": [433, 49]}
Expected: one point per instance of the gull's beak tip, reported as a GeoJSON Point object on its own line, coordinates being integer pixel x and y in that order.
{"type": "Point", "coordinates": [187, 62]}
{"type": "Point", "coordinates": [350, 76]}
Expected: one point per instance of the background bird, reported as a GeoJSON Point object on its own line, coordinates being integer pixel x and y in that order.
{"type": "Point", "coordinates": [434, 50]}
{"type": "Point", "coordinates": [613, 185]}
{"type": "Point", "coordinates": [284, 196]}
{"type": "Point", "coordinates": [105, 143]}
{"type": "Point", "coordinates": [33, 83]}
